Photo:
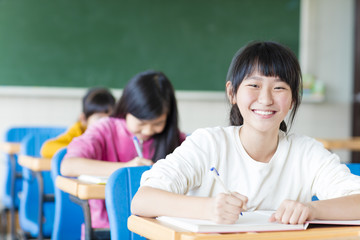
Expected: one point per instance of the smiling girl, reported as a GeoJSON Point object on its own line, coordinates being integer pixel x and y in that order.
{"type": "Point", "coordinates": [263, 166]}
{"type": "Point", "coordinates": [147, 109]}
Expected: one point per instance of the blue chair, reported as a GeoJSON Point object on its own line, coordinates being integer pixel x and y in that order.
{"type": "Point", "coordinates": [354, 169]}
{"type": "Point", "coordinates": [120, 190]}
{"type": "Point", "coordinates": [13, 173]}
{"type": "Point", "coordinates": [68, 215]}
{"type": "Point", "coordinates": [37, 201]}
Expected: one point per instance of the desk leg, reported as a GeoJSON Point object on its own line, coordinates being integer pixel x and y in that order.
{"type": "Point", "coordinates": [12, 194]}
{"type": "Point", "coordinates": [87, 215]}
{"type": "Point", "coordinates": [40, 182]}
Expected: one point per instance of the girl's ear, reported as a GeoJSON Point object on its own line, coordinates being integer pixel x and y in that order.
{"type": "Point", "coordinates": [230, 93]}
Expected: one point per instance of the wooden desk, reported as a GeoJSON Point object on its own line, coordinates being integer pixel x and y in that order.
{"type": "Point", "coordinates": [10, 148]}
{"type": "Point", "coordinates": [79, 189]}
{"type": "Point", "coordinates": [152, 229]}
{"type": "Point", "coordinates": [352, 144]}
{"type": "Point", "coordinates": [80, 192]}
{"type": "Point", "coordinates": [37, 166]}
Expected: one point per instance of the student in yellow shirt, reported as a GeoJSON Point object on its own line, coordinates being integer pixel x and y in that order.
{"type": "Point", "coordinates": [97, 103]}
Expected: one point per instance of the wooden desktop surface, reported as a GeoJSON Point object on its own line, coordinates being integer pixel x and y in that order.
{"type": "Point", "coordinates": [10, 148]}
{"type": "Point", "coordinates": [152, 229]}
{"type": "Point", "coordinates": [80, 189]}
{"type": "Point", "coordinates": [352, 144]}
{"type": "Point", "coordinates": [35, 164]}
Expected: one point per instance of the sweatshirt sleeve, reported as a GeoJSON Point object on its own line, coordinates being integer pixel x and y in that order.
{"type": "Point", "coordinates": [51, 146]}
{"type": "Point", "coordinates": [90, 144]}
{"type": "Point", "coordinates": [332, 178]}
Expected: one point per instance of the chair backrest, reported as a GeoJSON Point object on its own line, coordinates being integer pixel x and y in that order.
{"type": "Point", "coordinates": [120, 190]}
{"type": "Point", "coordinates": [354, 168]}
{"type": "Point", "coordinates": [29, 202]}
{"type": "Point", "coordinates": [68, 215]}
{"type": "Point", "coordinates": [16, 135]}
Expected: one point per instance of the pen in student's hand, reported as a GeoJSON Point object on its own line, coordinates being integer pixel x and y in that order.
{"type": "Point", "coordinates": [137, 146]}
{"type": "Point", "coordinates": [217, 177]}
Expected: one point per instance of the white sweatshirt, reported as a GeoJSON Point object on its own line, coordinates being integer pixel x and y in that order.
{"type": "Point", "coordinates": [300, 168]}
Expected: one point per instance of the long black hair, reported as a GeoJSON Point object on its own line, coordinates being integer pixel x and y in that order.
{"type": "Point", "coordinates": [270, 59]}
{"type": "Point", "coordinates": [147, 96]}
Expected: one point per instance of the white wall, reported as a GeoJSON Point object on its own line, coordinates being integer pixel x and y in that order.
{"type": "Point", "coordinates": [326, 50]}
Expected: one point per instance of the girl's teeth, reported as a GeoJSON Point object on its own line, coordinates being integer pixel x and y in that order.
{"type": "Point", "coordinates": [264, 112]}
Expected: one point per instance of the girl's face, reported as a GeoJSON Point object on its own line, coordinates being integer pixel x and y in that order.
{"type": "Point", "coordinates": [263, 101]}
{"type": "Point", "coordinates": [144, 129]}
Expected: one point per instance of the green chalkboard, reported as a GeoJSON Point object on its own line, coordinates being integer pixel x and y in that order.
{"type": "Point", "coordinates": [83, 43]}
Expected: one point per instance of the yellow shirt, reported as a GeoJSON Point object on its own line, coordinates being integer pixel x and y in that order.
{"type": "Point", "coordinates": [51, 146]}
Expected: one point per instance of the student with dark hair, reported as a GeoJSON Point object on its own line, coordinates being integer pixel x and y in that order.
{"type": "Point", "coordinates": [262, 166]}
{"type": "Point", "coordinates": [146, 110]}
{"type": "Point", "coordinates": [98, 102]}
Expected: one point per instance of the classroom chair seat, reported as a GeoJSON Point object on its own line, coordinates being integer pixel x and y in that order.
{"type": "Point", "coordinates": [120, 190]}
{"type": "Point", "coordinates": [12, 178]}
{"type": "Point", "coordinates": [33, 184]}
{"type": "Point", "coordinates": [68, 215]}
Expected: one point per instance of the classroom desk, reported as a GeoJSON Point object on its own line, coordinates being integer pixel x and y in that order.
{"type": "Point", "coordinates": [12, 149]}
{"type": "Point", "coordinates": [38, 165]}
{"type": "Point", "coordinates": [352, 144]}
{"type": "Point", "coordinates": [80, 192]}
{"type": "Point", "coordinates": [152, 229]}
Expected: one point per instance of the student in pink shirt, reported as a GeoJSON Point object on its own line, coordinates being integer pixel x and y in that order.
{"type": "Point", "coordinates": [147, 109]}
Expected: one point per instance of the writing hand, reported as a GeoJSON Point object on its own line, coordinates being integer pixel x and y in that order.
{"type": "Point", "coordinates": [138, 161]}
{"type": "Point", "coordinates": [227, 207]}
{"type": "Point", "coordinates": [292, 212]}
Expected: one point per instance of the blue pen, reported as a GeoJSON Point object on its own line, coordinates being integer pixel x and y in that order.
{"type": "Point", "coordinates": [137, 146]}
{"type": "Point", "coordinates": [217, 178]}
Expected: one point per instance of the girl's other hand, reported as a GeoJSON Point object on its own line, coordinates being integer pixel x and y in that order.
{"type": "Point", "coordinates": [226, 208]}
{"type": "Point", "coordinates": [292, 212]}
{"type": "Point", "coordinates": [138, 161]}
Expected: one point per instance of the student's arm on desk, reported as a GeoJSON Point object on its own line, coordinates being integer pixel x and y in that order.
{"type": "Point", "coordinates": [342, 208]}
{"type": "Point", "coordinates": [152, 202]}
{"type": "Point", "coordinates": [74, 167]}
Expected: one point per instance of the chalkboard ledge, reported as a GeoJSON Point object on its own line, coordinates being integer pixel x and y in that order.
{"type": "Point", "coordinates": [63, 92]}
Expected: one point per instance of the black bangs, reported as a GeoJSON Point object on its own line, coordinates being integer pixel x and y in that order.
{"type": "Point", "coordinates": [268, 58]}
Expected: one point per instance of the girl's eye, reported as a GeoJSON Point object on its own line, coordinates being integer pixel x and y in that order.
{"type": "Point", "coordinates": [253, 85]}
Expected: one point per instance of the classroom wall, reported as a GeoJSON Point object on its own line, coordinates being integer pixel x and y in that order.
{"type": "Point", "coordinates": [326, 50]}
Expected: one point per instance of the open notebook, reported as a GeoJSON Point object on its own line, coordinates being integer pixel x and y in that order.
{"type": "Point", "coordinates": [93, 179]}
{"type": "Point", "coordinates": [257, 221]}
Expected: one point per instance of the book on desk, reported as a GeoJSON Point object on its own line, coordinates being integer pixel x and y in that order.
{"type": "Point", "coordinates": [93, 179]}
{"type": "Point", "coordinates": [257, 221]}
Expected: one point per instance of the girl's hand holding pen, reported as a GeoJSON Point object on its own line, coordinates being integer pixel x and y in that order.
{"type": "Point", "coordinates": [139, 161]}
{"type": "Point", "coordinates": [229, 205]}
{"type": "Point", "coordinates": [226, 208]}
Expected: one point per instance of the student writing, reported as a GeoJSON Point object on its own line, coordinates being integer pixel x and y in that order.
{"type": "Point", "coordinates": [264, 166]}
{"type": "Point", "coordinates": [98, 102]}
{"type": "Point", "coordinates": [147, 109]}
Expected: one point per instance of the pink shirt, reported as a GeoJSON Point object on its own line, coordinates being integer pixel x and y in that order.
{"type": "Point", "coordinates": [107, 140]}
